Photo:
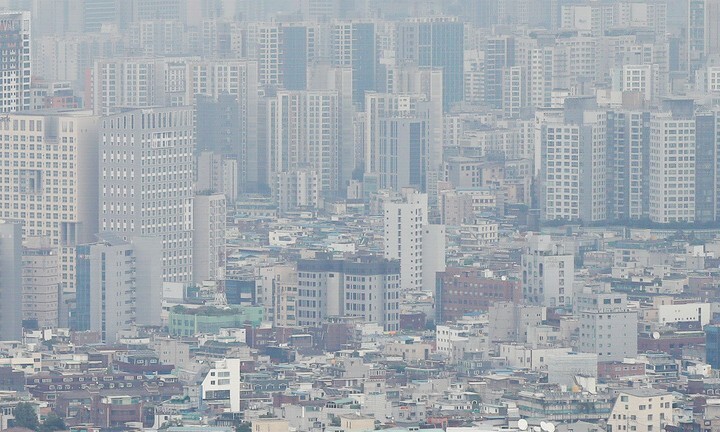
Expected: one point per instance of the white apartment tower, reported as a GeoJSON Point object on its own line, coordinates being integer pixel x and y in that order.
{"type": "Point", "coordinates": [515, 94]}
{"type": "Point", "coordinates": [573, 169]}
{"type": "Point", "coordinates": [146, 175]}
{"type": "Point", "coordinates": [15, 61]}
{"type": "Point", "coordinates": [122, 83]}
{"type": "Point", "coordinates": [268, 47]}
{"type": "Point", "coordinates": [307, 131]}
{"type": "Point", "coordinates": [672, 169]}
{"type": "Point", "coordinates": [548, 273]}
{"type": "Point", "coordinates": [410, 239]}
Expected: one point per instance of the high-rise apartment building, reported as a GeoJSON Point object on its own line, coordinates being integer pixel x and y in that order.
{"type": "Point", "coordinates": [628, 165]}
{"type": "Point", "coordinates": [124, 83]}
{"type": "Point", "coordinates": [56, 153]}
{"type": "Point", "coordinates": [41, 285]}
{"type": "Point", "coordinates": [277, 290]}
{"type": "Point", "coordinates": [499, 54]}
{"type": "Point", "coordinates": [404, 221]}
{"type": "Point", "coordinates": [404, 152]}
{"type": "Point", "coordinates": [548, 272]}
{"type": "Point", "coordinates": [515, 95]}
{"type": "Point", "coordinates": [573, 169]}
{"type": "Point", "coordinates": [672, 169]}
{"type": "Point", "coordinates": [323, 77]}
{"type": "Point", "coordinates": [106, 295]}
{"type": "Point", "coordinates": [216, 173]}
{"type": "Point", "coordinates": [707, 166]}
{"type": "Point", "coordinates": [265, 44]}
{"type": "Point", "coordinates": [209, 214]}
{"type": "Point", "coordinates": [435, 42]}
{"type": "Point", "coordinates": [299, 45]}
{"type": "Point", "coordinates": [227, 113]}
{"type": "Point", "coordinates": [306, 133]}
{"type": "Point", "coordinates": [427, 83]}
{"type": "Point", "coordinates": [409, 238]}
{"type": "Point", "coordinates": [703, 32]}
{"type": "Point", "coordinates": [411, 113]}
{"type": "Point", "coordinates": [354, 46]}
{"type": "Point", "coordinates": [146, 175]}
{"type": "Point", "coordinates": [15, 61]}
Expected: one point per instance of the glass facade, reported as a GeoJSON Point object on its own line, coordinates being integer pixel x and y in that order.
{"type": "Point", "coordinates": [712, 346]}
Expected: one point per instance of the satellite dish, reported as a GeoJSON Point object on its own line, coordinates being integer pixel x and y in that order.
{"type": "Point", "coordinates": [550, 427]}
{"type": "Point", "coordinates": [543, 426]}
{"type": "Point", "coordinates": [522, 424]}
{"type": "Point", "coordinates": [656, 335]}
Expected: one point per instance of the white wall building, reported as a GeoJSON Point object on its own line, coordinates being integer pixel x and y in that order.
{"type": "Point", "coordinates": [146, 182]}
{"type": "Point", "coordinates": [222, 384]}
{"type": "Point", "coordinates": [405, 223]}
{"type": "Point", "coordinates": [608, 327]}
{"type": "Point", "coordinates": [548, 272]}
{"type": "Point", "coordinates": [54, 199]}
{"type": "Point", "coordinates": [573, 169]}
{"type": "Point", "coordinates": [641, 410]}
{"type": "Point", "coordinates": [307, 130]}
{"type": "Point", "coordinates": [672, 169]}
{"type": "Point", "coordinates": [368, 289]}
{"type": "Point", "coordinates": [687, 312]}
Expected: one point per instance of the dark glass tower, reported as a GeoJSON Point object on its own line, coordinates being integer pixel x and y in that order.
{"type": "Point", "coordinates": [294, 57]}
{"type": "Point", "coordinates": [438, 43]}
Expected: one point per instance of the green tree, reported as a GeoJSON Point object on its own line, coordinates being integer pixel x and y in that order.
{"type": "Point", "coordinates": [25, 416]}
{"type": "Point", "coordinates": [52, 423]}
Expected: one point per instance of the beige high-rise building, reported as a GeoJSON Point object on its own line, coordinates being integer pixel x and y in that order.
{"type": "Point", "coordinates": [49, 180]}
{"type": "Point", "coordinates": [40, 284]}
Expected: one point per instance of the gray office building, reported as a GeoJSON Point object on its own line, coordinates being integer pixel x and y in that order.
{"type": "Point", "coordinates": [146, 166]}
{"type": "Point", "coordinates": [707, 167]}
{"type": "Point", "coordinates": [10, 280]}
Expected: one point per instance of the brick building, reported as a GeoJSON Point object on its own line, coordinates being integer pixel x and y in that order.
{"type": "Point", "coordinates": [465, 290]}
